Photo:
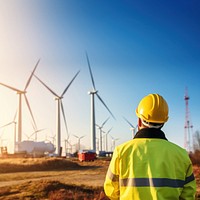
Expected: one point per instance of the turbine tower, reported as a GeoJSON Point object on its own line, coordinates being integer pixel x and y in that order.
{"type": "Point", "coordinates": [20, 93]}
{"type": "Point", "coordinates": [133, 128]}
{"type": "Point", "coordinates": [59, 104]}
{"type": "Point", "coordinates": [188, 125]}
{"type": "Point", "coordinates": [94, 92]}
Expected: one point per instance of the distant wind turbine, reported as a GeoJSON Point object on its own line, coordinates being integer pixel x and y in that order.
{"type": "Point", "coordinates": [20, 93]}
{"type": "Point", "coordinates": [106, 139]}
{"type": "Point", "coordinates": [94, 92]}
{"type": "Point", "coordinates": [133, 128]}
{"type": "Point", "coordinates": [79, 140]}
{"type": "Point", "coordinates": [53, 139]}
{"type": "Point", "coordinates": [58, 98]}
{"type": "Point", "coordinates": [100, 133]}
{"type": "Point", "coordinates": [113, 142]}
{"type": "Point", "coordinates": [15, 123]}
{"type": "Point", "coordinates": [68, 147]}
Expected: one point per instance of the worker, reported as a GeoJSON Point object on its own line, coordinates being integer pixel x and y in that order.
{"type": "Point", "coordinates": [149, 167]}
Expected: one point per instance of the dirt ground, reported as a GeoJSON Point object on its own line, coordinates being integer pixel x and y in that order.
{"type": "Point", "coordinates": [57, 179]}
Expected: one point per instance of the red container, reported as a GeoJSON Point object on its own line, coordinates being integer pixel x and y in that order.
{"type": "Point", "coordinates": [87, 156]}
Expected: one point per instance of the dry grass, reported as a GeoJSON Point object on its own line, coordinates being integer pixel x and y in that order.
{"type": "Point", "coordinates": [45, 189]}
{"type": "Point", "coordinates": [50, 178]}
{"type": "Point", "coordinates": [35, 164]}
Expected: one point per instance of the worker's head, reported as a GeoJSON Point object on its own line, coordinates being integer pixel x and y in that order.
{"type": "Point", "coordinates": [152, 111]}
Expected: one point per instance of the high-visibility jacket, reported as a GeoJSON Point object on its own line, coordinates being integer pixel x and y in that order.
{"type": "Point", "coordinates": [150, 168]}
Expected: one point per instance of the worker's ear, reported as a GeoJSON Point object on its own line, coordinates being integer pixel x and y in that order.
{"type": "Point", "coordinates": [139, 123]}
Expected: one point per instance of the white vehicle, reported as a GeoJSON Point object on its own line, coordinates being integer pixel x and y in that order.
{"type": "Point", "coordinates": [35, 148]}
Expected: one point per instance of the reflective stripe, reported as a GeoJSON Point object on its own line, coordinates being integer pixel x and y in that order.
{"type": "Point", "coordinates": [150, 182]}
{"type": "Point", "coordinates": [189, 178]}
{"type": "Point", "coordinates": [112, 177]}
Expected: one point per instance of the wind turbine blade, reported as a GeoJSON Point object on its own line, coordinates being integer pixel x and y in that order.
{"type": "Point", "coordinates": [82, 137]}
{"type": "Point", "coordinates": [63, 112]}
{"type": "Point", "coordinates": [34, 127]}
{"type": "Point", "coordinates": [10, 87]}
{"type": "Point", "coordinates": [111, 137]}
{"type": "Point", "coordinates": [105, 122]}
{"type": "Point", "coordinates": [28, 137]}
{"type": "Point", "coordinates": [30, 111]}
{"type": "Point", "coordinates": [90, 72]}
{"type": "Point", "coordinates": [105, 105]}
{"type": "Point", "coordinates": [36, 132]}
{"type": "Point", "coordinates": [69, 84]}
{"type": "Point", "coordinates": [109, 130]}
{"type": "Point", "coordinates": [46, 86]}
{"type": "Point", "coordinates": [31, 134]}
{"type": "Point", "coordinates": [40, 130]}
{"type": "Point", "coordinates": [76, 136]}
{"type": "Point", "coordinates": [6, 124]}
{"type": "Point", "coordinates": [29, 80]}
{"type": "Point", "coordinates": [128, 122]}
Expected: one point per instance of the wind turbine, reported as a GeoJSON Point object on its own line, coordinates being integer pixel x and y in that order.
{"type": "Point", "coordinates": [15, 123]}
{"type": "Point", "coordinates": [58, 98]}
{"type": "Point", "coordinates": [53, 139]}
{"type": "Point", "coordinates": [133, 128]}
{"type": "Point", "coordinates": [94, 92]}
{"type": "Point", "coordinates": [68, 147]}
{"type": "Point", "coordinates": [106, 139]}
{"type": "Point", "coordinates": [113, 142]}
{"type": "Point", "coordinates": [100, 133]}
{"type": "Point", "coordinates": [27, 136]}
{"type": "Point", "coordinates": [79, 140]}
{"type": "Point", "coordinates": [20, 93]}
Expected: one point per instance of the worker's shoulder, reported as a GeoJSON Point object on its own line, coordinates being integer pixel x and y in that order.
{"type": "Point", "coordinates": [125, 144]}
{"type": "Point", "coordinates": [177, 147]}
{"type": "Point", "coordinates": [157, 142]}
{"type": "Point", "coordinates": [172, 149]}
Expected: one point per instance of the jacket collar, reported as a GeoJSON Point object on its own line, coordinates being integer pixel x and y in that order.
{"type": "Point", "coordinates": [150, 133]}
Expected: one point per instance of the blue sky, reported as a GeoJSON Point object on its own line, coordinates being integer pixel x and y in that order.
{"type": "Point", "coordinates": [135, 48]}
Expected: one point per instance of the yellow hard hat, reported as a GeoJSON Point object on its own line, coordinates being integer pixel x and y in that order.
{"type": "Point", "coordinates": [153, 108]}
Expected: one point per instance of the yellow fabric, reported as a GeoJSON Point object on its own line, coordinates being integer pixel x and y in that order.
{"type": "Point", "coordinates": [149, 159]}
{"type": "Point", "coordinates": [153, 108]}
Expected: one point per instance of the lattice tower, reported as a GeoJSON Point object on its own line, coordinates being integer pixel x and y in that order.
{"type": "Point", "coordinates": [188, 125]}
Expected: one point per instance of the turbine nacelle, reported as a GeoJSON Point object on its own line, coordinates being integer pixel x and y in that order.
{"type": "Point", "coordinates": [21, 92]}
{"type": "Point", "coordinates": [92, 92]}
{"type": "Point", "coordinates": [58, 98]}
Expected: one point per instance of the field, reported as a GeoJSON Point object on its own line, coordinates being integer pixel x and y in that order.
{"type": "Point", "coordinates": [56, 179]}
{"type": "Point", "coordinates": [51, 178]}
